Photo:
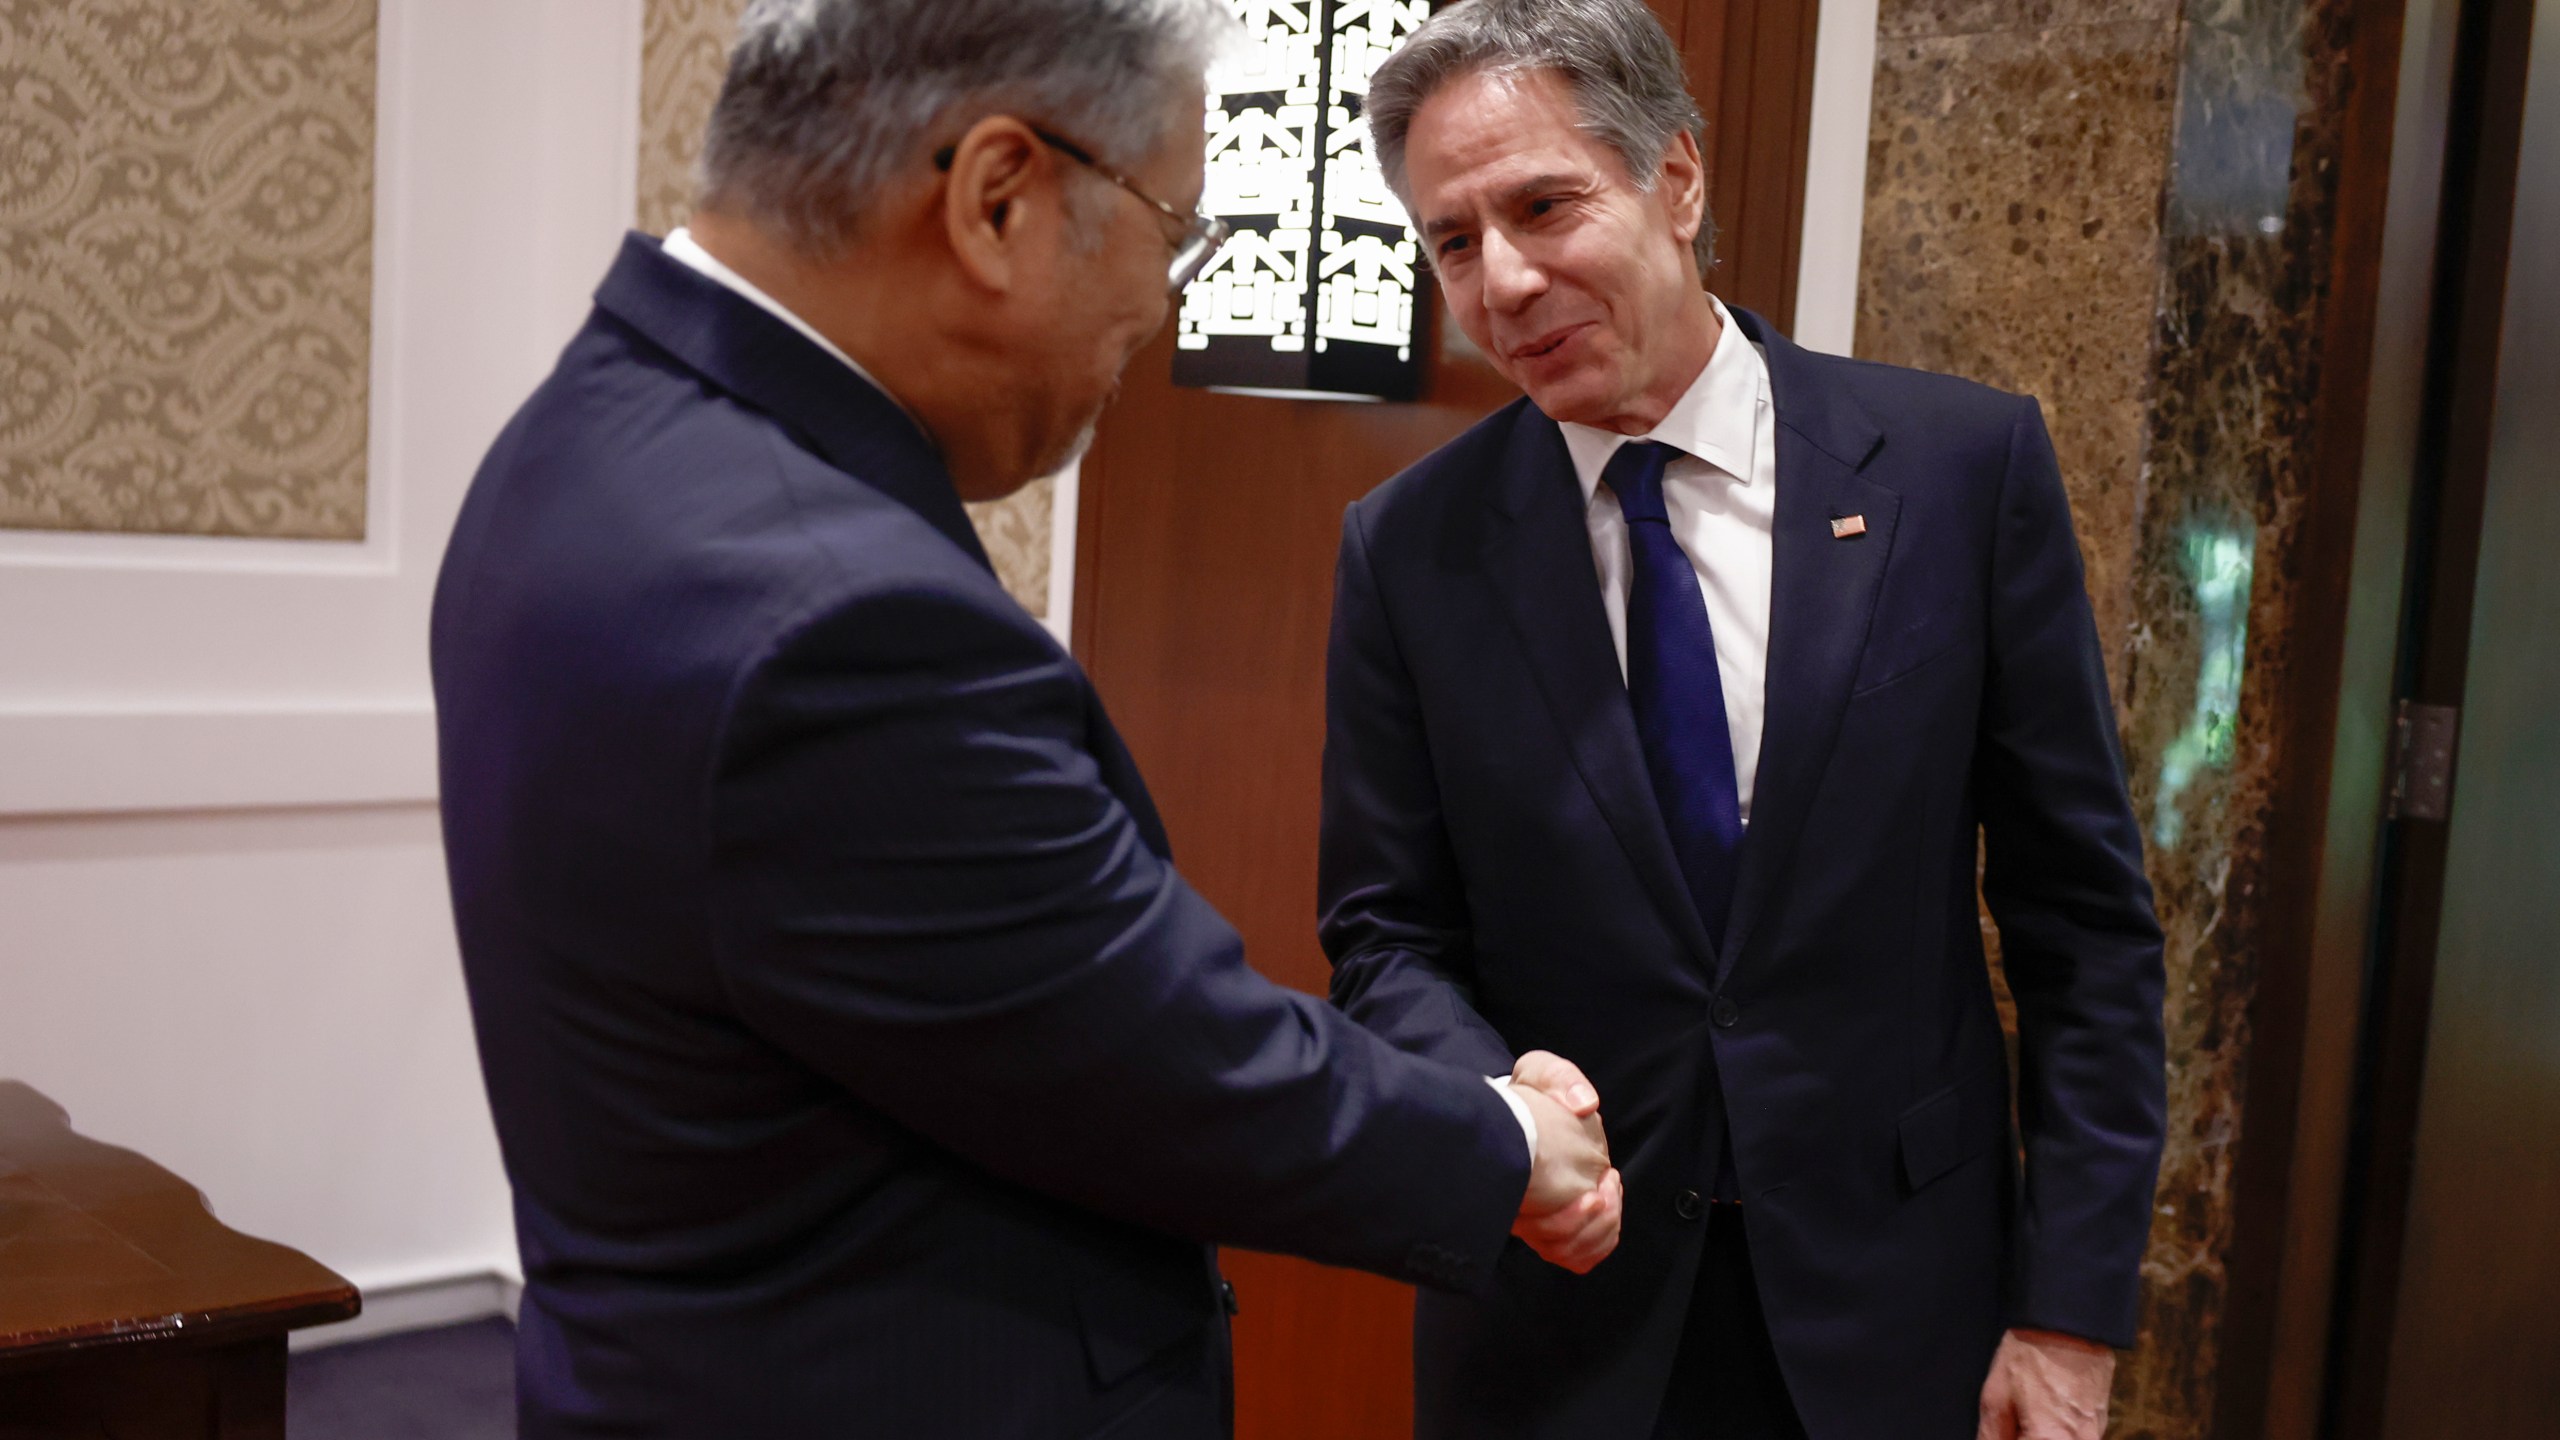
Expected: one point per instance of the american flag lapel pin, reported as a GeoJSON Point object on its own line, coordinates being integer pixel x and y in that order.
{"type": "Point", "coordinates": [1848, 527]}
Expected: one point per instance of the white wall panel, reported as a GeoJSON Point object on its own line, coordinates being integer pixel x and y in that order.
{"type": "Point", "coordinates": [267, 1004]}
{"type": "Point", "coordinates": [224, 935]}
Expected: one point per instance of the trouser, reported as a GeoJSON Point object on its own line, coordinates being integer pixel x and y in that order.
{"type": "Point", "coordinates": [1725, 1384]}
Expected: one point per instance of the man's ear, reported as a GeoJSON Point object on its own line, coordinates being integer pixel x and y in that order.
{"type": "Point", "coordinates": [1683, 184]}
{"type": "Point", "coordinates": [988, 198]}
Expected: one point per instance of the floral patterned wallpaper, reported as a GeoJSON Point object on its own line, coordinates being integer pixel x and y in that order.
{"type": "Point", "coordinates": [186, 265]}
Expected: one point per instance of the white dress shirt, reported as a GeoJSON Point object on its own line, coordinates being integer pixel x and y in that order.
{"type": "Point", "coordinates": [1721, 493]}
{"type": "Point", "coordinates": [681, 247]}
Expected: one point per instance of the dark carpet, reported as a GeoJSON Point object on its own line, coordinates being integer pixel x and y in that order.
{"type": "Point", "coordinates": [456, 1383]}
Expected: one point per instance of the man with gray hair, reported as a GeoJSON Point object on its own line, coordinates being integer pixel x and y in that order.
{"type": "Point", "coordinates": [1665, 709]}
{"type": "Point", "coordinates": [861, 1064]}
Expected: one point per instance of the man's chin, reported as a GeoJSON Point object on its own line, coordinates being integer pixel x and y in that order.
{"type": "Point", "coordinates": [1572, 400]}
{"type": "Point", "coordinates": [1072, 453]}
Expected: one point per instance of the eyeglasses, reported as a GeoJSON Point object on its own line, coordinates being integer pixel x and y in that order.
{"type": "Point", "coordinates": [1202, 235]}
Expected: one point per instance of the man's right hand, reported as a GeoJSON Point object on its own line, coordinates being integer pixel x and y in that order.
{"type": "Point", "coordinates": [1576, 1199]}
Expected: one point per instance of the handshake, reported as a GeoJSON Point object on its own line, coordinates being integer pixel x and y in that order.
{"type": "Point", "coordinates": [1576, 1198]}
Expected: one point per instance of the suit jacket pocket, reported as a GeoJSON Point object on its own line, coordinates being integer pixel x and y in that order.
{"type": "Point", "coordinates": [1135, 1302]}
{"type": "Point", "coordinates": [1931, 649]}
{"type": "Point", "coordinates": [1955, 1124]}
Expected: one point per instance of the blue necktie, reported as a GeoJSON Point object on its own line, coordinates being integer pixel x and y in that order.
{"type": "Point", "coordinates": [1675, 688]}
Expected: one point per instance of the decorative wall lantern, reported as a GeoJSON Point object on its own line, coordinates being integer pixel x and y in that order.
{"type": "Point", "coordinates": [1315, 296]}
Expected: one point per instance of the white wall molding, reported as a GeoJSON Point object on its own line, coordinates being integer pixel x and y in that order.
{"type": "Point", "coordinates": [503, 180]}
{"type": "Point", "coordinates": [205, 554]}
{"type": "Point", "coordinates": [1835, 178]}
{"type": "Point", "coordinates": [180, 758]}
{"type": "Point", "coordinates": [1063, 504]}
{"type": "Point", "coordinates": [399, 1307]}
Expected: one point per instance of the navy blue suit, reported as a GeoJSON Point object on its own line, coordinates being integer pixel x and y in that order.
{"type": "Point", "coordinates": [1496, 877]}
{"type": "Point", "coordinates": [862, 1066]}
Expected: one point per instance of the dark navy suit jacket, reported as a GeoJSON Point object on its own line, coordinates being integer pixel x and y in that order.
{"type": "Point", "coordinates": [861, 1065]}
{"type": "Point", "coordinates": [1496, 877]}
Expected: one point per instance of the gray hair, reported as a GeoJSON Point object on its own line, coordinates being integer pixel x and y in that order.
{"type": "Point", "coordinates": [826, 100]}
{"type": "Point", "coordinates": [1625, 73]}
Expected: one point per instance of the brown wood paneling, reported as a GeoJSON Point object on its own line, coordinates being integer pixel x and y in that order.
{"type": "Point", "coordinates": [1751, 67]}
{"type": "Point", "coordinates": [1216, 518]}
{"type": "Point", "coordinates": [1204, 589]}
{"type": "Point", "coordinates": [2447, 1320]}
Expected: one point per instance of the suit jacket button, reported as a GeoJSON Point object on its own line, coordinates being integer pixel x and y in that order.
{"type": "Point", "coordinates": [1688, 1205]}
{"type": "Point", "coordinates": [1227, 1296]}
{"type": "Point", "coordinates": [1726, 1013]}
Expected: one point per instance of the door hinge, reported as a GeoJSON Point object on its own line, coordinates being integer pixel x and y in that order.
{"type": "Point", "coordinates": [2422, 739]}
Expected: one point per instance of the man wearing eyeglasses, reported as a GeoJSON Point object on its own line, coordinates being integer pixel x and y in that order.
{"type": "Point", "coordinates": [861, 1064]}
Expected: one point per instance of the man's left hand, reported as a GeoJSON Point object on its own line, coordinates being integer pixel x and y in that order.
{"type": "Point", "coordinates": [2045, 1386]}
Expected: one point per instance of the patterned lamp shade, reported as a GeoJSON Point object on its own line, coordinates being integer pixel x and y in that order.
{"type": "Point", "coordinates": [1315, 296]}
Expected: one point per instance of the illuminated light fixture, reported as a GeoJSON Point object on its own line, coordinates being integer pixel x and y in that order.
{"type": "Point", "coordinates": [1315, 296]}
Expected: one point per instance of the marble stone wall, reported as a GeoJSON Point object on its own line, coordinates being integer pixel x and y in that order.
{"type": "Point", "coordinates": [684, 54]}
{"type": "Point", "coordinates": [2016, 161]}
{"type": "Point", "coordinates": [2126, 209]}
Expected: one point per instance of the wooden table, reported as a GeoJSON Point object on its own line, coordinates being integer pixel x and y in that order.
{"type": "Point", "coordinates": [126, 1309]}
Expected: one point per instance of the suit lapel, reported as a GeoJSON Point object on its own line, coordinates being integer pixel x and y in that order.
{"type": "Point", "coordinates": [1538, 557]}
{"type": "Point", "coordinates": [1822, 596]}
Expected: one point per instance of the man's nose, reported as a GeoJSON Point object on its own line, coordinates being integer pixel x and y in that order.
{"type": "Point", "coordinates": [1511, 279]}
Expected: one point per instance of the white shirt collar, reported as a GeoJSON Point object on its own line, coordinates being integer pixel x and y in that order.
{"type": "Point", "coordinates": [1717, 419]}
{"type": "Point", "coordinates": [680, 246]}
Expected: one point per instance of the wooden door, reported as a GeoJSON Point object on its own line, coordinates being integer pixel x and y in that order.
{"type": "Point", "coordinates": [1204, 570]}
{"type": "Point", "coordinates": [2451, 1323]}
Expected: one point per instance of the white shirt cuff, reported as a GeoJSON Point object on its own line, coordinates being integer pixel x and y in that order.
{"type": "Point", "coordinates": [1520, 1110]}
